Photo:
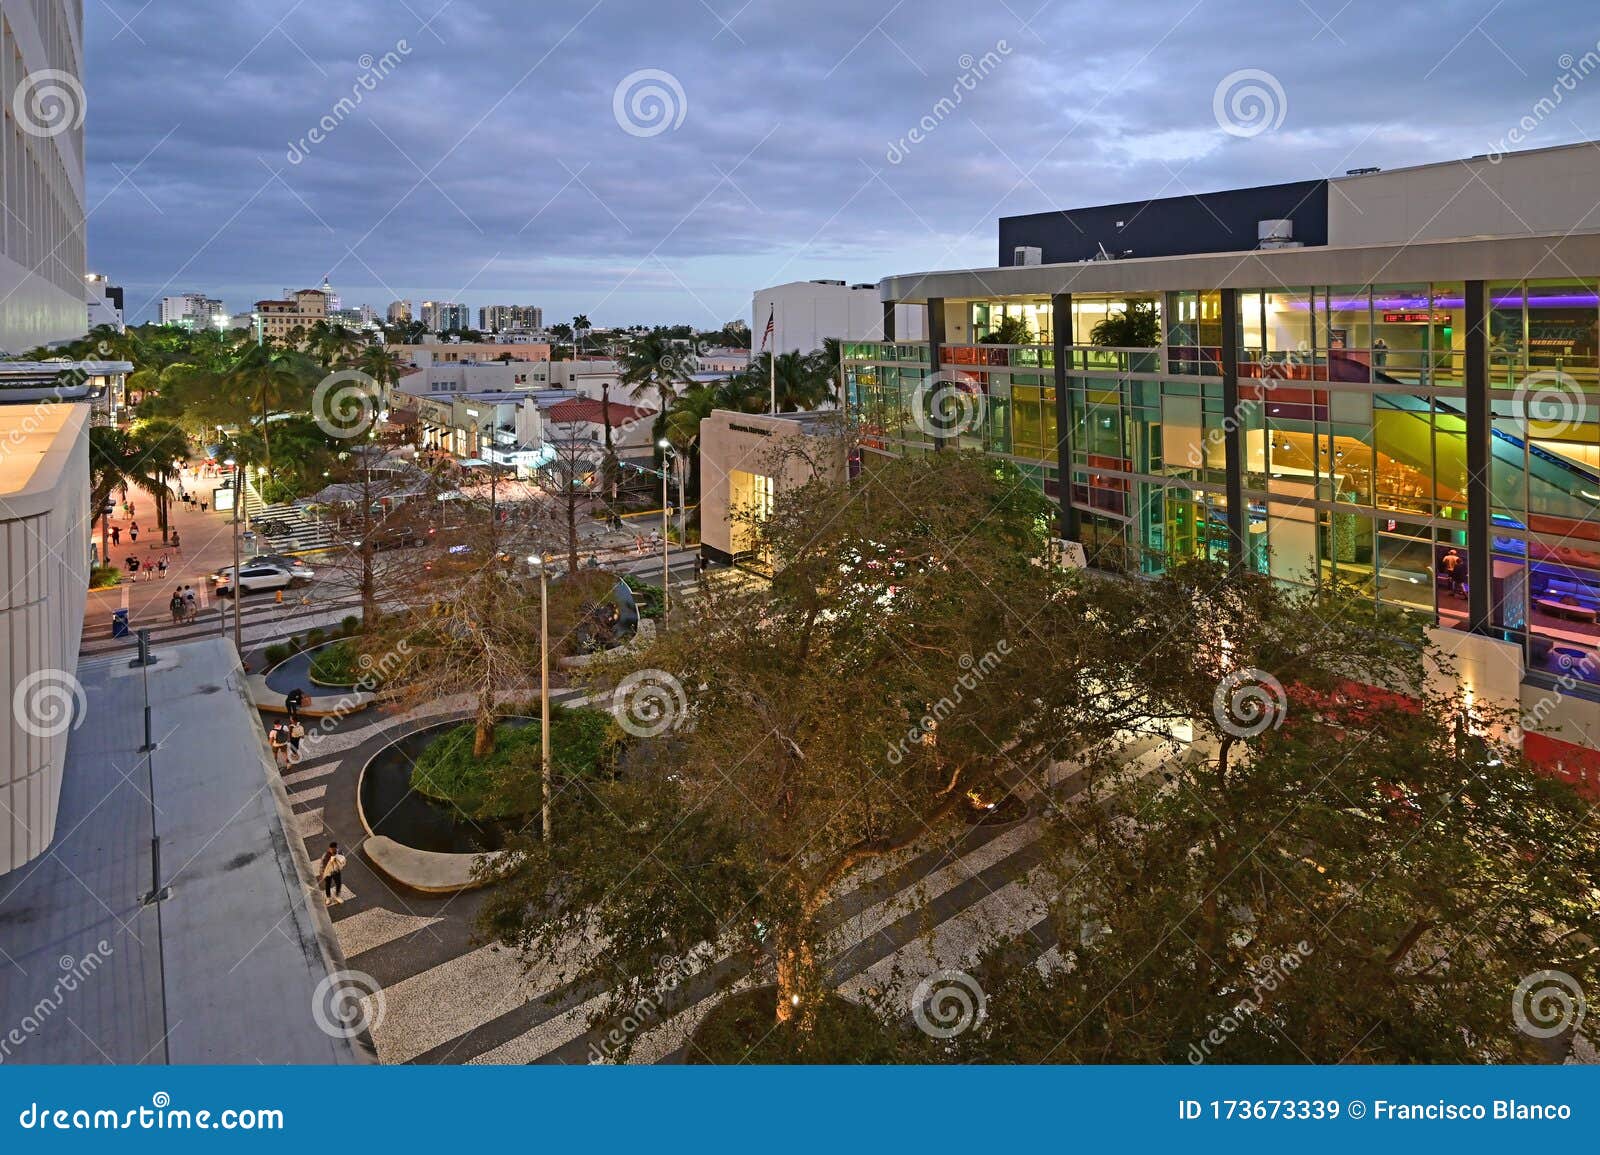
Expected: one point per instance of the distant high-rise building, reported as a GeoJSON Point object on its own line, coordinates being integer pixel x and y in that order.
{"type": "Point", "coordinates": [104, 301]}
{"type": "Point", "coordinates": [441, 316]}
{"type": "Point", "coordinates": [507, 318]}
{"type": "Point", "coordinates": [298, 310]}
{"type": "Point", "coordinates": [193, 311]}
{"type": "Point", "coordinates": [41, 244]}
{"type": "Point", "coordinates": [334, 303]}
{"type": "Point", "coordinates": [399, 312]}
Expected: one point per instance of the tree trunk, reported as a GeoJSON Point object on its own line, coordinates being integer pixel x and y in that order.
{"type": "Point", "coordinates": [572, 530]}
{"type": "Point", "coordinates": [483, 728]}
{"type": "Point", "coordinates": [796, 1004]}
{"type": "Point", "coordinates": [369, 585]}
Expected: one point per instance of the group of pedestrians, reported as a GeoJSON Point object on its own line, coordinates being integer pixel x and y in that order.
{"type": "Point", "coordinates": [184, 605]}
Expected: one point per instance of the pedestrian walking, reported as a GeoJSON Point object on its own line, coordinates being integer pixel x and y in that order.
{"type": "Point", "coordinates": [204, 505]}
{"type": "Point", "coordinates": [332, 875]}
{"type": "Point", "coordinates": [162, 566]}
{"type": "Point", "coordinates": [133, 564]}
{"type": "Point", "coordinates": [279, 741]}
{"type": "Point", "coordinates": [116, 535]}
{"type": "Point", "coordinates": [296, 732]}
{"type": "Point", "coordinates": [175, 607]}
{"type": "Point", "coordinates": [133, 533]}
{"type": "Point", "coordinates": [292, 701]}
{"type": "Point", "coordinates": [177, 545]}
{"type": "Point", "coordinates": [191, 604]}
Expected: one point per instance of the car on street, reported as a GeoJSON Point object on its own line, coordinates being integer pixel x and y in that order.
{"type": "Point", "coordinates": [391, 537]}
{"type": "Point", "coordinates": [257, 577]}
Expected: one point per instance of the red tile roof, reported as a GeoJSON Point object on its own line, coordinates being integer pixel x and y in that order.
{"type": "Point", "coordinates": [589, 409]}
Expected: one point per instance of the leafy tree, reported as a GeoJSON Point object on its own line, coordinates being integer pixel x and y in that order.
{"type": "Point", "coordinates": [272, 380]}
{"type": "Point", "coordinates": [162, 447]}
{"type": "Point", "coordinates": [789, 766]}
{"type": "Point", "coordinates": [653, 363]}
{"type": "Point", "coordinates": [1331, 871]}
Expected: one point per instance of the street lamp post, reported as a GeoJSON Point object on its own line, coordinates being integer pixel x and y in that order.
{"type": "Point", "coordinates": [666, 574]}
{"type": "Point", "coordinates": [234, 580]}
{"type": "Point", "coordinates": [538, 563]}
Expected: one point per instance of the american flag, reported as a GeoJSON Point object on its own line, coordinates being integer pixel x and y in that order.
{"type": "Point", "coordinates": [767, 334]}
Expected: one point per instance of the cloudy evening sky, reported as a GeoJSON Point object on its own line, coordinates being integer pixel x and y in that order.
{"type": "Point", "coordinates": [491, 163]}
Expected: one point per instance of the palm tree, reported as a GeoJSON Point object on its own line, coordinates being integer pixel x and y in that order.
{"type": "Point", "coordinates": [115, 462]}
{"type": "Point", "coordinates": [652, 363]}
{"type": "Point", "coordinates": [162, 446]}
{"type": "Point", "coordinates": [580, 329]}
{"type": "Point", "coordinates": [1011, 330]}
{"type": "Point", "coordinates": [382, 364]}
{"type": "Point", "coordinates": [795, 379]}
{"type": "Point", "coordinates": [270, 379]}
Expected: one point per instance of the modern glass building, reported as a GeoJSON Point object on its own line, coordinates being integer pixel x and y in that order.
{"type": "Point", "coordinates": [1417, 413]}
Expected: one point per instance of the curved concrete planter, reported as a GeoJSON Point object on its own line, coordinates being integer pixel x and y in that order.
{"type": "Point", "coordinates": [429, 871]}
{"type": "Point", "coordinates": [424, 870]}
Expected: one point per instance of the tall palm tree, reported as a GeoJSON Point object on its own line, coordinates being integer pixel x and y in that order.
{"type": "Point", "coordinates": [382, 364]}
{"type": "Point", "coordinates": [163, 447]}
{"type": "Point", "coordinates": [580, 330]}
{"type": "Point", "coordinates": [115, 462]}
{"type": "Point", "coordinates": [270, 379]}
{"type": "Point", "coordinates": [652, 363]}
{"type": "Point", "coordinates": [795, 379]}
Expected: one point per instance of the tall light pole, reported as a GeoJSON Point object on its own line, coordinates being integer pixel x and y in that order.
{"type": "Point", "coordinates": [666, 575]}
{"type": "Point", "coordinates": [539, 566]}
{"type": "Point", "coordinates": [234, 581]}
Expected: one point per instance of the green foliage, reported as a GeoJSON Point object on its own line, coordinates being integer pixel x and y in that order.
{"type": "Point", "coordinates": [1010, 331]}
{"type": "Point", "coordinates": [338, 664]}
{"type": "Point", "coordinates": [646, 596]}
{"type": "Point", "coordinates": [1138, 326]}
{"type": "Point", "coordinates": [350, 624]}
{"type": "Point", "coordinates": [277, 652]}
{"type": "Point", "coordinates": [506, 783]}
{"type": "Point", "coordinates": [104, 577]}
{"type": "Point", "coordinates": [739, 1030]}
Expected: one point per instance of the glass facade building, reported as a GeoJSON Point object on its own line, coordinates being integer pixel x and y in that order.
{"type": "Point", "coordinates": [1421, 420]}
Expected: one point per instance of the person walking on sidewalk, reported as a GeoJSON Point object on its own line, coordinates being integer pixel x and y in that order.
{"type": "Point", "coordinates": [296, 732]}
{"type": "Point", "coordinates": [191, 604]}
{"type": "Point", "coordinates": [279, 741]}
{"type": "Point", "coordinates": [292, 701]}
{"type": "Point", "coordinates": [332, 875]}
{"type": "Point", "coordinates": [116, 535]}
{"type": "Point", "coordinates": [161, 567]}
{"type": "Point", "coordinates": [133, 533]}
{"type": "Point", "coordinates": [177, 546]}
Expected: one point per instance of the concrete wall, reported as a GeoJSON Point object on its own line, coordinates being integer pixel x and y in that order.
{"type": "Point", "coordinates": [804, 313]}
{"type": "Point", "coordinates": [44, 575]}
{"type": "Point", "coordinates": [1549, 190]}
{"type": "Point", "coordinates": [776, 447]}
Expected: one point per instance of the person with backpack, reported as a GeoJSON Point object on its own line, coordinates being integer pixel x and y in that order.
{"type": "Point", "coordinates": [279, 741]}
{"type": "Point", "coordinates": [295, 732]}
{"type": "Point", "coordinates": [175, 607]}
{"type": "Point", "coordinates": [332, 875]}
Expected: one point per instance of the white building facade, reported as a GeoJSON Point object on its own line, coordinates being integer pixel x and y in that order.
{"type": "Point", "coordinates": [42, 258]}
{"type": "Point", "coordinates": [805, 313]}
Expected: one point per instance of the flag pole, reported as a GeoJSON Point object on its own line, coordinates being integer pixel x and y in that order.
{"type": "Point", "coordinates": [772, 360]}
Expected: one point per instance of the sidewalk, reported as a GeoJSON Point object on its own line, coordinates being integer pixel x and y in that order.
{"type": "Point", "coordinates": [207, 545]}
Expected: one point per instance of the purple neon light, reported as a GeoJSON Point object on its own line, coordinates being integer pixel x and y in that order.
{"type": "Point", "coordinates": [1560, 301]}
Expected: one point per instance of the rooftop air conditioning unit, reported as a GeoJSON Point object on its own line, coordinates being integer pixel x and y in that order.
{"type": "Point", "coordinates": [1276, 234]}
{"type": "Point", "coordinates": [1027, 255]}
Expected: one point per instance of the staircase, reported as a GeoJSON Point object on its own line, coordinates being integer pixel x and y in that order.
{"type": "Point", "coordinates": [305, 531]}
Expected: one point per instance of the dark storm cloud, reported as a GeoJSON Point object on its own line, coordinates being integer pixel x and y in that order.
{"type": "Point", "coordinates": [470, 150]}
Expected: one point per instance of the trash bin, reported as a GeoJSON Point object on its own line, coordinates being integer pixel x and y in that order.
{"type": "Point", "coordinates": [119, 624]}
